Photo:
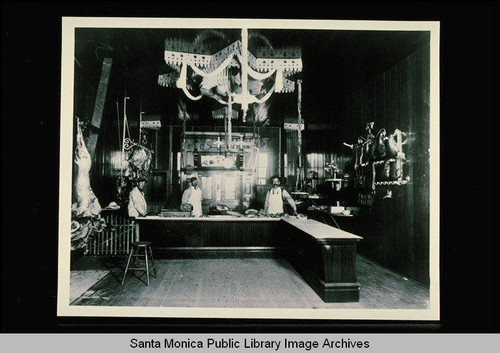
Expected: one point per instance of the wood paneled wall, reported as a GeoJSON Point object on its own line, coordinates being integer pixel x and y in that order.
{"type": "Point", "coordinates": [164, 188]}
{"type": "Point", "coordinates": [396, 230]}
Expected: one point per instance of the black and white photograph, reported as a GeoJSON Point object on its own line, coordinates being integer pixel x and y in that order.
{"type": "Point", "coordinates": [249, 169]}
{"type": "Point", "coordinates": [263, 176]}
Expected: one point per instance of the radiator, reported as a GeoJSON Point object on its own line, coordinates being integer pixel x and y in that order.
{"type": "Point", "coordinates": [116, 238]}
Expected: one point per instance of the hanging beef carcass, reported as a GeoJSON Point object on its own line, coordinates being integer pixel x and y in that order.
{"type": "Point", "coordinates": [85, 208]}
{"type": "Point", "coordinates": [85, 203]}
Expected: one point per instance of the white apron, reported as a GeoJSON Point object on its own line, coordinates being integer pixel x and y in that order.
{"type": "Point", "coordinates": [275, 201]}
{"type": "Point", "coordinates": [195, 201]}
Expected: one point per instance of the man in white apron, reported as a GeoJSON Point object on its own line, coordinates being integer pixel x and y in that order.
{"type": "Point", "coordinates": [192, 195]}
{"type": "Point", "coordinates": [275, 197]}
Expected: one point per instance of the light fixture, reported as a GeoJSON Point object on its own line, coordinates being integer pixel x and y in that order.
{"type": "Point", "coordinates": [232, 75]}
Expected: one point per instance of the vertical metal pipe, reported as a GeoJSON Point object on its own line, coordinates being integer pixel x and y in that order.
{"type": "Point", "coordinates": [156, 149]}
{"type": "Point", "coordinates": [170, 156]}
{"type": "Point", "coordinates": [99, 237]}
{"type": "Point", "coordinates": [112, 235]}
{"type": "Point", "coordinates": [140, 120]}
{"type": "Point", "coordinates": [279, 153]}
{"type": "Point", "coordinates": [244, 77]}
{"type": "Point", "coordinates": [111, 238]}
{"type": "Point", "coordinates": [122, 234]}
{"type": "Point", "coordinates": [229, 138]}
{"type": "Point", "coordinates": [299, 181]}
{"type": "Point", "coordinates": [123, 135]}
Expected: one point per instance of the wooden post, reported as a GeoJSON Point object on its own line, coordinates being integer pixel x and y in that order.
{"type": "Point", "coordinates": [99, 106]}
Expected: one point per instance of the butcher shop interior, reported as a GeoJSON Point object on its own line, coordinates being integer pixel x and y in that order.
{"type": "Point", "coordinates": [243, 165]}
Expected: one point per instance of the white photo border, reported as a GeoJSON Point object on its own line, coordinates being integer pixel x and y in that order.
{"type": "Point", "coordinates": [69, 24]}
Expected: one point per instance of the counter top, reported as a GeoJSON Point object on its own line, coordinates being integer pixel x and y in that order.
{"type": "Point", "coordinates": [320, 230]}
{"type": "Point", "coordinates": [209, 219]}
{"type": "Point", "coordinates": [335, 214]}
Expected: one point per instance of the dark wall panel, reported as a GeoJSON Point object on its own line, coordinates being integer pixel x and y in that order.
{"type": "Point", "coordinates": [396, 230]}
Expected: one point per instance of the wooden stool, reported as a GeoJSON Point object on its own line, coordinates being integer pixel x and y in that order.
{"type": "Point", "coordinates": [140, 249]}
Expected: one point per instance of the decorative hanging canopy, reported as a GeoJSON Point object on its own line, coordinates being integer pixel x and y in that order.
{"type": "Point", "coordinates": [233, 72]}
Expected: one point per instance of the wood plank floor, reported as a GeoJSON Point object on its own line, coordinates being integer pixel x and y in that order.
{"type": "Point", "coordinates": [239, 283]}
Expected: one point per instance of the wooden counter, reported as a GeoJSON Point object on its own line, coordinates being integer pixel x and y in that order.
{"type": "Point", "coordinates": [213, 236]}
{"type": "Point", "coordinates": [323, 255]}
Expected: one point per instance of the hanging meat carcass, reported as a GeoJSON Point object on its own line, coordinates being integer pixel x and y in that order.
{"type": "Point", "coordinates": [85, 203]}
{"type": "Point", "coordinates": [139, 159]}
{"type": "Point", "coordinates": [138, 165]}
{"type": "Point", "coordinates": [379, 149]}
{"type": "Point", "coordinates": [85, 208]}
